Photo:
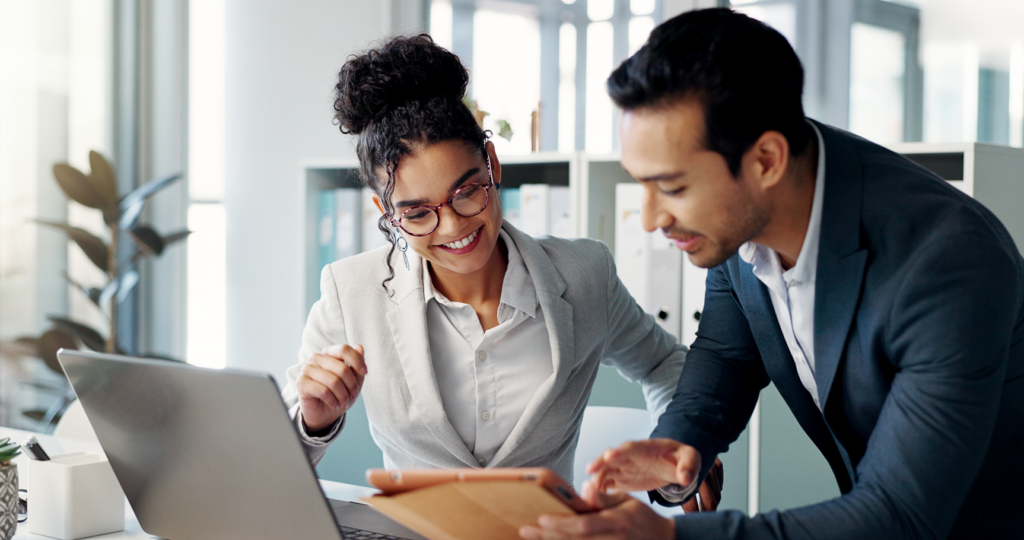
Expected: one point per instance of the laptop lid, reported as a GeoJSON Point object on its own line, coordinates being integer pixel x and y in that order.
{"type": "Point", "coordinates": [201, 453]}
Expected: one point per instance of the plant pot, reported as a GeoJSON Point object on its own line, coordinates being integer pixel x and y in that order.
{"type": "Point", "coordinates": [8, 500]}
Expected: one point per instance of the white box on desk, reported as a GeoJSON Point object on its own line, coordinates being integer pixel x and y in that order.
{"type": "Point", "coordinates": [74, 496]}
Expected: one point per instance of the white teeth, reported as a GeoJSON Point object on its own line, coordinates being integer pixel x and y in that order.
{"type": "Point", "coordinates": [459, 244]}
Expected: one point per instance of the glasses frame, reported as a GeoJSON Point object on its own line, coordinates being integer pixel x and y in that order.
{"type": "Point", "coordinates": [437, 208]}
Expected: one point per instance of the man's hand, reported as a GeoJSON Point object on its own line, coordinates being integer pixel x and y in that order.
{"type": "Point", "coordinates": [329, 384]}
{"type": "Point", "coordinates": [645, 465]}
{"type": "Point", "coordinates": [622, 517]}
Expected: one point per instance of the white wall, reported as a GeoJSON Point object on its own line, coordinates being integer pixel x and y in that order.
{"type": "Point", "coordinates": [282, 58]}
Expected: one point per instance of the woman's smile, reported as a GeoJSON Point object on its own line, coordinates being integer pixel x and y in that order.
{"type": "Point", "coordinates": [464, 244]}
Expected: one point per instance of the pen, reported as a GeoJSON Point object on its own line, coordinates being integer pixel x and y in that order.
{"type": "Point", "coordinates": [35, 450]}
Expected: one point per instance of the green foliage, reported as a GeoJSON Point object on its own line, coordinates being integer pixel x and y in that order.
{"type": "Point", "coordinates": [98, 190]}
{"type": "Point", "coordinates": [8, 450]}
{"type": "Point", "coordinates": [118, 260]}
{"type": "Point", "coordinates": [504, 130]}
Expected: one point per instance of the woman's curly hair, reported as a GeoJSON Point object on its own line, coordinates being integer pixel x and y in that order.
{"type": "Point", "coordinates": [404, 93]}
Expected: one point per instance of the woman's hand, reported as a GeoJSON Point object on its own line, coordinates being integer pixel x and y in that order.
{"type": "Point", "coordinates": [329, 384]}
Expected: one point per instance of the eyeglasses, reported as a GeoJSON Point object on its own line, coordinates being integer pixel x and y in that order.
{"type": "Point", "coordinates": [467, 201]}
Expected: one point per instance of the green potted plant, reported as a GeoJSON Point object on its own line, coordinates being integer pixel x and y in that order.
{"type": "Point", "coordinates": [8, 488]}
{"type": "Point", "coordinates": [118, 260]}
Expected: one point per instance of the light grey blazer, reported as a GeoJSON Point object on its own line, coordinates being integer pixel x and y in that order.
{"type": "Point", "coordinates": [591, 319]}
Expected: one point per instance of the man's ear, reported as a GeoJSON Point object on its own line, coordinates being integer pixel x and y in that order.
{"type": "Point", "coordinates": [767, 159]}
{"type": "Point", "coordinates": [376, 201]}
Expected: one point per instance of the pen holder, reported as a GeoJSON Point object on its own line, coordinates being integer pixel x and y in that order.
{"type": "Point", "coordinates": [74, 496]}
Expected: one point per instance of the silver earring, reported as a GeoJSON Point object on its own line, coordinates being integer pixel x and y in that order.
{"type": "Point", "coordinates": [403, 246]}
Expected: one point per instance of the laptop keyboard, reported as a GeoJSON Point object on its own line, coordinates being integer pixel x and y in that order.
{"type": "Point", "coordinates": [358, 534]}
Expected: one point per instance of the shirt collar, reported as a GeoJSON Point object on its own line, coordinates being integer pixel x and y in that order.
{"type": "Point", "coordinates": [766, 261]}
{"type": "Point", "coordinates": [517, 288]}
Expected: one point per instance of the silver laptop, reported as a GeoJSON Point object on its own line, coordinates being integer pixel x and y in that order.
{"type": "Point", "coordinates": [203, 453]}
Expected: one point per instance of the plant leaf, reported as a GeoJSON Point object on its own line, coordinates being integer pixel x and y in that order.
{"type": "Point", "coordinates": [77, 187]}
{"type": "Point", "coordinates": [92, 293]}
{"type": "Point", "coordinates": [91, 338]}
{"type": "Point", "coordinates": [50, 343]}
{"type": "Point", "coordinates": [94, 248]}
{"type": "Point", "coordinates": [504, 130]}
{"type": "Point", "coordinates": [22, 346]}
{"type": "Point", "coordinates": [103, 178]}
{"type": "Point", "coordinates": [131, 204]}
{"type": "Point", "coordinates": [130, 213]}
{"type": "Point", "coordinates": [147, 239]}
{"type": "Point", "coordinates": [43, 386]}
{"type": "Point", "coordinates": [174, 237]}
{"type": "Point", "coordinates": [128, 281]}
{"type": "Point", "coordinates": [35, 414]}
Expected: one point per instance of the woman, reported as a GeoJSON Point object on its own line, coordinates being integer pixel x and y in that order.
{"type": "Point", "coordinates": [474, 344]}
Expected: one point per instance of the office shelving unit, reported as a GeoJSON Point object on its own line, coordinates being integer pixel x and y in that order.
{"type": "Point", "coordinates": [992, 174]}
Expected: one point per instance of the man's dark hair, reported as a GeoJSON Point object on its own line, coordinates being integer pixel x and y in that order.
{"type": "Point", "coordinates": [745, 75]}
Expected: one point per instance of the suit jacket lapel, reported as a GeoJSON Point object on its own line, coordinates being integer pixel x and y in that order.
{"type": "Point", "coordinates": [779, 364]}
{"type": "Point", "coordinates": [408, 322]}
{"type": "Point", "coordinates": [558, 319]}
{"type": "Point", "coordinates": [778, 361]}
{"type": "Point", "coordinates": [841, 260]}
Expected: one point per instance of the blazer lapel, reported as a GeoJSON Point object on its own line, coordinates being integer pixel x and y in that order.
{"type": "Point", "coordinates": [558, 315]}
{"type": "Point", "coordinates": [778, 361]}
{"type": "Point", "coordinates": [779, 364]}
{"type": "Point", "coordinates": [408, 322]}
{"type": "Point", "coordinates": [841, 260]}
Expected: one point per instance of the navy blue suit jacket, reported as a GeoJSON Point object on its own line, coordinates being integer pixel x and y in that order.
{"type": "Point", "coordinates": [919, 352]}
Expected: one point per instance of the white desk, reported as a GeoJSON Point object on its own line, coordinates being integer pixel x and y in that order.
{"type": "Point", "coordinates": [132, 530]}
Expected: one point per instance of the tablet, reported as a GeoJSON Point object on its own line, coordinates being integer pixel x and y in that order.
{"type": "Point", "coordinates": [400, 481]}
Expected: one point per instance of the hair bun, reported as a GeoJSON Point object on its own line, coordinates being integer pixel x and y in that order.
{"type": "Point", "coordinates": [401, 71]}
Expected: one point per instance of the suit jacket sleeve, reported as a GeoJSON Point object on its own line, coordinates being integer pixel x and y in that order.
{"type": "Point", "coordinates": [638, 348]}
{"type": "Point", "coordinates": [324, 327]}
{"type": "Point", "coordinates": [720, 384]}
{"type": "Point", "coordinates": [949, 335]}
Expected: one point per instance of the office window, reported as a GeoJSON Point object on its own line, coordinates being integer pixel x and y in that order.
{"type": "Point", "coordinates": [600, 10]}
{"type": "Point", "coordinates": [779, 14]}
{"type": "Point", "coordinates": [505, 74]}
{"type": "Point", "coordinates": [950, 92]}
{"type": "Point", "coordinates": [1016, 94]}
{"type": "Point", "coordinates": [642, 7]}
{"type": "Point", "coordinates": [205, 342]}
{"type": "Point", "coordinates": [441, 22]}
{"type": "Point", "coordinates": [599, 105]}
{"type": "Point", "coordinates": [566, 88]}
{"type": "Point", "coordinates": [877, 83]}
{"type": "Point", "coordinates": [639, 29]}
{"type": "Point", "coordinates": [55, 105]}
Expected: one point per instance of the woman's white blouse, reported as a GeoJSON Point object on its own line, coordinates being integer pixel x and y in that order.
{"type": "Point", "coordinates": [487, 378]}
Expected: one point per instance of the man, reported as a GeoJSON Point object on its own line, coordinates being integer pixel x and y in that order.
{"type": "Point", "coordinates": [886, 306]}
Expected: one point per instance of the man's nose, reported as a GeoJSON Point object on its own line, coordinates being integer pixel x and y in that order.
{"type": "Point", "coordinates": [652, 215]}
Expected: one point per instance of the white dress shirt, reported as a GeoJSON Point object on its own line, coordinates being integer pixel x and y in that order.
{"type": "Point", "coordinates": [792, 291]}
{"type": "Point", "coordinates": [487, 378]}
